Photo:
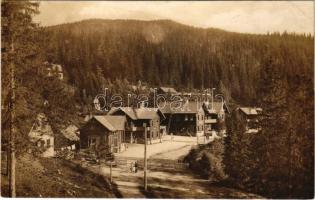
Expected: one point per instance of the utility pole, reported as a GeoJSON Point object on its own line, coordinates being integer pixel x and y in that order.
{"type": "Point", "coordinates": [110, 171]}
{"type": "Point", "coordinates": [12, 123]}
{"type": "Point", "coordinates": [145, 157]}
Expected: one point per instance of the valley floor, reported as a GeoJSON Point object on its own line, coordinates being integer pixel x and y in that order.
{"type": "Point", "coordinates": [52, 177]}
{"type": "Point", "coordinates": [167, 184]}
{"type": "Point", "coordinates": [164, 182]}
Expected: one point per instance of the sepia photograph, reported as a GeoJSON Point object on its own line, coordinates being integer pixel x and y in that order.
{"type": "Point", "coordinates": [157, 99]}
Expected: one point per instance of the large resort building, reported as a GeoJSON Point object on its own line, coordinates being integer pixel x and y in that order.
{"type": "Point", "coordinates": [194, 118]}
{"type": "Point", "coordinates": [184, 119]}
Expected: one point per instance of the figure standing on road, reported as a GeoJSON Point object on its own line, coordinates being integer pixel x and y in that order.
{"type": "Point", "coordinates": [132, 167]}
{"type": "Point", "coordinates": [136, 167]}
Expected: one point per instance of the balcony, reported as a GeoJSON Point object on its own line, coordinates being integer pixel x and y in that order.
{"type": "Point", "coordinates": [210, 121]}
{"type": "Point", "coordinates": [136, 128]}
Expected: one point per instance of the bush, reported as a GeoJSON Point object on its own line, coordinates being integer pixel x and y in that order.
{"type": "Point", "coordinates": [207, 160]}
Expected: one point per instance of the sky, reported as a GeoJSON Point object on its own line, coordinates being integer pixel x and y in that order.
{"type": "Point", "coordinates": [242, 16]}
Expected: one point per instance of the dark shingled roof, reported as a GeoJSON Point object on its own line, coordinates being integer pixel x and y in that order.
{"type": "Point", "coordinates": [127, 110]}
{"type": "Point", "coordinates": [250, 110]}
{"type": "Point", "coordinates": [168, 90]}
{"type": "Point", "coordinates": [145, 114]}
{"type": "Point", "coordinates": [187, 107]}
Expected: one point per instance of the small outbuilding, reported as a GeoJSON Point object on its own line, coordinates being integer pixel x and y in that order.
{"type": "Point", "coordinates": [104, 134]}
{"type": "Point", "coordinates": [42, 135]}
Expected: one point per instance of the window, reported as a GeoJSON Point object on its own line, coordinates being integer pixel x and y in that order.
{"type": "Point", "coordinates": [115, 139]}
{"type": "Point", "coordinates": [48, 143]}
{"type": "Point", "coordinates": [110, 140]}
{"type": "Point", "coordinates": [91, 141]}
{"type": "Point", "coordinates": [186, 117]}
{"type": "Point", "coordinates": [39, 143]}
{"type": "Point", "coordinates": [198, 117]}
{"type": "Point", "coordinates": [201, 117]}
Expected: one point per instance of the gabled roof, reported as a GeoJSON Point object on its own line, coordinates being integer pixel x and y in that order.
{"type": "Point", "coordinates": [40, 127]}
{"type": "Point", "coordinates": [71, 133]}
{"type": "Point", "coordinates": [168, 90]}
{"type": "Point", "coordinates": [250, 110]}
{"type": "Point", "coordinates": [187, 107]}
{"type": "Point", "coordinates": [118, 122]}
{"type": "Point", "coordinates": [137, 113]}
{"type": "Point", "coordinates": [112, 123]}
{"type": "Point", "coordinates": [148, 113]}
{"type": "Point", "coordinates": [127, 110]}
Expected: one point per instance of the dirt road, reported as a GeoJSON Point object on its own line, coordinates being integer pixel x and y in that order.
{"type": "Point", "coordinates": [167, 184]}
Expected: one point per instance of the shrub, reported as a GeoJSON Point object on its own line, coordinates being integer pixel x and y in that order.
{"type": "Point", "coordinates": [207, 160]}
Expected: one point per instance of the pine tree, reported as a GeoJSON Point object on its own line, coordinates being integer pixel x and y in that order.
{"type": "Point", "coordinates": [17, 24]}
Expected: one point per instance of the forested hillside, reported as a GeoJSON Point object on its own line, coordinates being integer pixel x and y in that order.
{"type": "Point", "coordinates": [95, 52]}
{"type": "Point", "coordinates": [272, 71]}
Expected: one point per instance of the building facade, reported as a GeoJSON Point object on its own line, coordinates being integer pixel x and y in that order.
{"type": "Point", "coordinates": [185, 119]}
{"type": "Point", "coordinates": [103, 134]}
{"type": "Point", "coordinates": [251, 118]}
{"type": "Point", "coordinates": [215, 113]}
{"type": "Point", "coordinates": [136, 118]}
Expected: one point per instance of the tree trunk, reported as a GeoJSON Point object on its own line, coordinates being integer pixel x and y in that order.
{"type": "Point", "coordinates": [12, 125]}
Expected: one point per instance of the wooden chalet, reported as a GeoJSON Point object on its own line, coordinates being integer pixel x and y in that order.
{"type": "Point", "coordinates": [251, 118]}
{"type": "Point", "coordinates": [186, 118]}
{"type": "Point", "coordinates": [103, 134]}
{"type": "Point", "coordinates": [136, 117]}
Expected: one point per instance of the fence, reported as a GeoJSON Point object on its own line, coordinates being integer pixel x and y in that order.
{"type": "Point", "coordinates": [153, 164]}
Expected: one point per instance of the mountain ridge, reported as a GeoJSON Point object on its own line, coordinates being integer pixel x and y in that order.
{"type": "Point", "coordinates": [147, 22]}
{"type": "Point", "coordinates": [164, 52]}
